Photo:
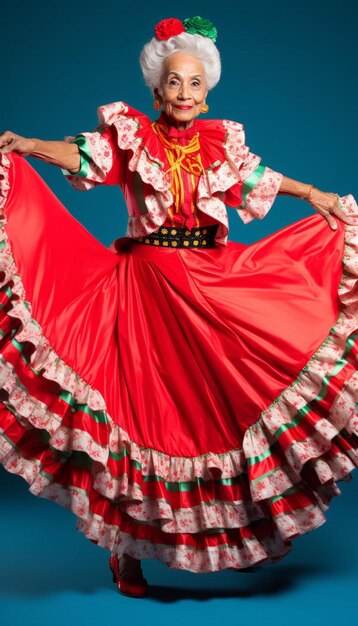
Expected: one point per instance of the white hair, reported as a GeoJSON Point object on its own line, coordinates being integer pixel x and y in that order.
{"type": "Point", "coordinates": [156, 51]}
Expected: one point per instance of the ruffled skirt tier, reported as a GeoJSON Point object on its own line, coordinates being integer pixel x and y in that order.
{"type": "Point", "coordinates": [197, 406]}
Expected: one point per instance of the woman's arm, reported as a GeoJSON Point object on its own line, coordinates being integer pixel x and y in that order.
{"type": "Point", "coordinates": [327, 204]}
{"type": "Point", "coordinates": [60, 153]}
{"type": "Point", "coordinates": [291, 187]}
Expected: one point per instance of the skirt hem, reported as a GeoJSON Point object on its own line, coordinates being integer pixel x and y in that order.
{"type": "Point", "coordinates": [202, 514]}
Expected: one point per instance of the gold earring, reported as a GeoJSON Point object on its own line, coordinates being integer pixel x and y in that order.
{"type": "Point", "coordinates": [205, 108]}
{"type": "Point", "coordinates": [156, 104]}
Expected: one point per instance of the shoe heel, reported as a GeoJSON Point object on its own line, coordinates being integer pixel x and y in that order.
{"type": "Point", "coordinates": [135, 588]}
{"type": "Point", "coordinates": [113, 566]}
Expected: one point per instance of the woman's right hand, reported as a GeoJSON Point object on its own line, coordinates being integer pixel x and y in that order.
{"type": "Point", "coordinates": [61, 153]}
{"type": "Point", "coordinates": [10, 142]}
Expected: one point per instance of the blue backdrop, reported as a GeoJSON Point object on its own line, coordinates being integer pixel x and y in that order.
{"type": "Point", "coordinates": [289, 75]}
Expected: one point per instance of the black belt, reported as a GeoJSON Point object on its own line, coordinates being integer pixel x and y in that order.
{"type": "Point", "coordinates": [172, 237]}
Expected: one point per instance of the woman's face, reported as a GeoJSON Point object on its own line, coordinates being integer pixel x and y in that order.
{"type": "Point", "coordinates": [182, 90]}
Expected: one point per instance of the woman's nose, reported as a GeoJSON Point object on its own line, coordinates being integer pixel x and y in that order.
{"type": "Point", "coordinates": [184, 92]}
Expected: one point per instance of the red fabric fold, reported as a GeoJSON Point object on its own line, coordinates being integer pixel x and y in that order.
{"type": "Point", "coordinates": [233, 319]}
{"type": "Point", "coordinates": [134, 457]}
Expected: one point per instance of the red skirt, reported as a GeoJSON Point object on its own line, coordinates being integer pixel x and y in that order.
{"type": "Point", "coordinates": [192, 405]}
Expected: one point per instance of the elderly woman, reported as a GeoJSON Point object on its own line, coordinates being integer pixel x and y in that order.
{"type": "Point", "coordinates": [190, 399]}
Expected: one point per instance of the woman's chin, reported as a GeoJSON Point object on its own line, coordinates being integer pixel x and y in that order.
{"type": "Point", "coordinates": [186, 116]}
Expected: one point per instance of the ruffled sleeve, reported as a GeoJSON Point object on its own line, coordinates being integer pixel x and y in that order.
{"type": "Point", "coordinates": [101, 161]}
{"type": "Point", "coordinates": [103, 151]}
{"type": "Point", "coordinates": [113, 148]}
{"type": "Point", "coordinates": [257, 185]}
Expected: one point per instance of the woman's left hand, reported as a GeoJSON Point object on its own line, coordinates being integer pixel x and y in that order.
{"type": "Point", "coordinates": [327, 204]}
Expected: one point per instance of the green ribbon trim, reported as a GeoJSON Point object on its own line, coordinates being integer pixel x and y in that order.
{"type": "Point", "coordinates": [7, 291]}
{"type": "Point", "coordinates": [85, 154]}
{"type": "Point", "coordinates": [101, 417]}
{"type": "Point", "coordinates": [191, 484]}
{"type": "Point", "coordinates": [250, 183]}
{"type": "Point", "coordinates": [98, 416]}
{"type": "Point", "coordinates": [176, 486]}
{"type": "Point", "coordinates": [339, 365]}
{"type": "Point", "coordinates": [281, 496]}
{"type": "Point", "coordinates": [66, 396]}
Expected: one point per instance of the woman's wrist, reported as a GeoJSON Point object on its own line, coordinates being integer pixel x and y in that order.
{"type": "Point", "coordinates": [308, 197]}
{"type": "Point", "coordinates": [295, 188]}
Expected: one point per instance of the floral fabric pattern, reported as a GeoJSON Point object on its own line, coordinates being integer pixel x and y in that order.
{"type": "Point", "coordinates": [204, 513]}
{"type": "Point", "coordinates": [235, 165]}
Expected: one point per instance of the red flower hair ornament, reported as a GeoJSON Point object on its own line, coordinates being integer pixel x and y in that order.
{"type": "Point", "coordinates": [195, 25]}
{"type": "Point", "coordinates": [168, 28]}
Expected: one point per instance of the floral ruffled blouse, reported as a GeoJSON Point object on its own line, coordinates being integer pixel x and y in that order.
{"type": "Point", "coordinates": [174, 177]}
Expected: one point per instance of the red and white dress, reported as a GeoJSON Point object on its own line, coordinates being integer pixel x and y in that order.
{"type": "Point", "coordinates": [196, 406]}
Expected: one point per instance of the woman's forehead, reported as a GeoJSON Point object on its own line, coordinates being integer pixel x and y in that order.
{"type": "Point", "coordinates": [183, 63]}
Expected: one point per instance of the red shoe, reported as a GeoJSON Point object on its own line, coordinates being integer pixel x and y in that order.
{"type": "Point", "coordinates": [136, 587]}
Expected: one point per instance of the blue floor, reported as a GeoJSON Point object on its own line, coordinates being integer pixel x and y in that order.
{"type": "Point", "coordinates": [50, 574]}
